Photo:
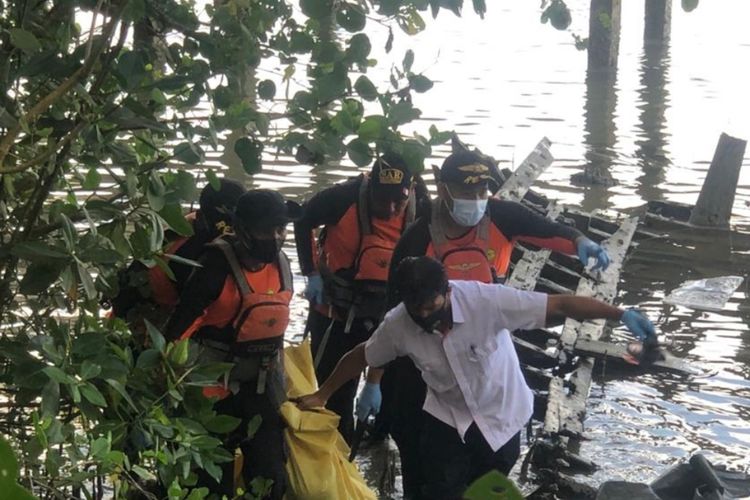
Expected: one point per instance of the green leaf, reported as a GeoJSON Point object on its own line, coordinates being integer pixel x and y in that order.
{"type": "Point", "coordinates": [172, 215]}
{"type": "Point", "coordinates": [420, 83]}
{"type": "Point", "coordinates": [31, 250]}
{"type": "Point", "coordinates": [253, 425]}
{"type": "Point", "coordinates": [56, 374]}
{"type": "Point", "coordinates": [266, 90]}
{"type": "Point", "coordinates": [401, 113]}
{"type": "Point", "coordinates": [186, 152]}
{"type": "Point", "coordinates": [8, 464]}
{"type": "Point", "coordinates": [213, 179]}
{"type": "Point", "coordinates": [689, 5]}
{"type": "Point", "coordinates": [359, 48]}
{"type": "Point", "coordinates": [92, 394]}
{"type": "Point", "coordinates": [222, 424]}
{"type": "Point", "coordinates": [86, 280]}
{"type": "Point", "coordinates": [249, 151]}
{"type": "Point", "coordinates": [365, 88]}
{"type": "Point", "coordinates": [408, 60]}
{"type": "Point", "coordinates": [70, 235]}
{"type": "Point", "coordinates": [179, 354]}
{"type": "Point", "coordinates": [372, 128]}
{"type": "Point", "coordinates": [40, 276]}
{"type": "Point", "coordinates": [157, 339]}
{"type": "Point", "coordinates": [99, 447]}
{"type": "Point", "coordinates": [50, 398]}
{"type": "Point", "coordinates": [351, 17]}
{"type": "Point", "coordinates": [24, 40]}
{"type": "Point", "coordinates": [89, 370]}
{"type": "Point", "coordinates": [92, 180]}
{"type": "Point", "coordinates": [359, 152]}
{"type": "Point", "coordinates": [143, 473]}
{"type": "Point", "coordinates": [117, 386]}
{"type": "Point", "coordinates": [493, 486]}
{"type": "Point", "coordinates": [316, 9]}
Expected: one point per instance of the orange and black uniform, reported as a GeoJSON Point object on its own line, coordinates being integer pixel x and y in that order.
{"type": "Point", "coordinates": [236, 315]}
{"type": "Point", "coordinates": [482, 254]}
{"type": "Point", "coordinates": [347, 252]}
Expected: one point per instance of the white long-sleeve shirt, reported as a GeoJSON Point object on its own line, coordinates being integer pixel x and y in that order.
{"type": "Point", "coordinates": [472, 373]}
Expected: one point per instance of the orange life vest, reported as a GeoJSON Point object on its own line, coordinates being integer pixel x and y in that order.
{"type": "Point", "coordinates": [255, 304]}
{"type": "Point", "coordinates": [355, 256]}
{"type": "Point", "coordinates": [482, 254]}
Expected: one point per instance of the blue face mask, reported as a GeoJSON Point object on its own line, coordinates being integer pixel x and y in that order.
{"type": "Point", "coordinates": [467, 213]}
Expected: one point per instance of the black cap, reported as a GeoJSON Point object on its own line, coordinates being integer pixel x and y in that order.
{"type": "Point", "coordinates": [265, 209]}
{"type": "Point", "coordinates": [218, 205]}
{"type": "Point", "coordinates": [390, 177]}
{"type": "Point", "coordinates": [465, 167]}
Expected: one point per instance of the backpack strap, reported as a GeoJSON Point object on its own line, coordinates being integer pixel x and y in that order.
{"type": "Point", "coordinates": [363, 207]}
{"type": "Point", "coordinates": [285, 272]}
{"type": "Point", "coordinates": [437, 231]}
{"type": "Point", "coordinates": [234, 265]}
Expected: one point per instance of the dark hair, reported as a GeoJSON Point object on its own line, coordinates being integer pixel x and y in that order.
{"type": "Point", "coordinates": [420, 279]}
{"type": "Point", "coordinates": [217, 206]}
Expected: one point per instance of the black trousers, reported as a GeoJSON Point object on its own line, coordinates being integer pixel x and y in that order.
{"type": "Point", "coordinates": [404, 392]}
{"type": "Point", "coordinates": [450, 465]}
{"type": "Point", "coordinates": [264, 454]}
{"type": "Point", "coordinates": [338, 344]}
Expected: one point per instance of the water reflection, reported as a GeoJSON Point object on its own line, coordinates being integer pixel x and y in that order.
{"type": "Point", "coordinates": [651, 146]}
{"type": "Point", "coordinates": [600, 138]}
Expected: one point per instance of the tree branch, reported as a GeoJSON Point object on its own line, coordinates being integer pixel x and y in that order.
{"type": "Point", "coordinates": [40, 107]}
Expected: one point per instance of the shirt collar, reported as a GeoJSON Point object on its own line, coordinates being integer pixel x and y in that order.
{"type": "Point", "coordinates": [458, 314]}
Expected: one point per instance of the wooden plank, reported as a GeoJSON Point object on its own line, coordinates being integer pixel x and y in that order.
{"type": "Point", "coordinates": [523, 177]}
{"type": "Point", "coordinates": [527, 270]}
{"type": "Point", "coordinates": [566, 410]}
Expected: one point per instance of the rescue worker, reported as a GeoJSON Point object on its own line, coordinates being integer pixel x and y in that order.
{"type": "Point", "coordinates": [150, 292]}
{"type": "Point", "coordinates": [473, 236]}
{"type": "Point", "coordinates": [458, 335]}
{"type": "Point", "coordinates": [347, 268]}
{"type": "Point", "coordinates": [236, 309]}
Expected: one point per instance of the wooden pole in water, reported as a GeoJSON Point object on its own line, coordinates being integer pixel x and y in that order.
{"type": "Point", "coordinates": [714, 207]}
{"type": "Point", "coordinates": [658, 20]}
{"type": "Point", "coordinates": [604, 33]}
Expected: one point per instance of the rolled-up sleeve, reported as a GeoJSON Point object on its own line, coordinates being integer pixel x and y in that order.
{"type": "Point", "coordinates": [382, 346]}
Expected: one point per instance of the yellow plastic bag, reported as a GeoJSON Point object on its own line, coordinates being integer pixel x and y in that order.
{"type": "Point", "coordinates": [317, 467]}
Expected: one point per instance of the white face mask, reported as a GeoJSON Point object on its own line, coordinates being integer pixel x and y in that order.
{"type": "Point", "coordinates": [467, 213]}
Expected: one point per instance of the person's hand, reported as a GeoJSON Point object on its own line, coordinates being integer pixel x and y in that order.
{"type": "Point", "coordinates": [310, 401]}
{"type": "Point", "coordinates": [638, 324]}
{"type": "Point", "coordinates": [314, 289]}
{"type": "Point", "coordinates": [587, 249]}
{"type": "Point", "coordinates": [368, 402]}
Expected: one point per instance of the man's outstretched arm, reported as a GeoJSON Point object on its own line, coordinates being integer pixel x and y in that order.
{"type": "Point", "coordinates": [350, 366]}
{"type": "Point", "coordinates": [580, 308]}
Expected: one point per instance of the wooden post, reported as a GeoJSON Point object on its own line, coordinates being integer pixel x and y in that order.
{"type": "Point", "coordinates": [657, 20]}
{"type": "Point", "coordinates": [604, 33]}
{"type": "Point", "coordinates": [714, 207]}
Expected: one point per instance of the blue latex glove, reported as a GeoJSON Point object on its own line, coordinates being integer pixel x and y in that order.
{"type": "Point", "coordinates": [587, 249]}
{"type": "Point", "coordinates": [638, 324]}
{"type": "Point", "coordinates": [368, 402]}
{"type": "Point", "coordinates": [314, 289]}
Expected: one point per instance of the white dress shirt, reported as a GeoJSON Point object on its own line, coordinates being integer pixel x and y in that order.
{"type": "Point", "coordinates": [472, 373]}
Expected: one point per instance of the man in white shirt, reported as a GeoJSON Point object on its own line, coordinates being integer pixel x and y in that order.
{"type": "Point", "coordinates": [458, 335]}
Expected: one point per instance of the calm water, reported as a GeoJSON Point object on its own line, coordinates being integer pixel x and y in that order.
{"type": "Point", "coordinates": [503, 83]}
